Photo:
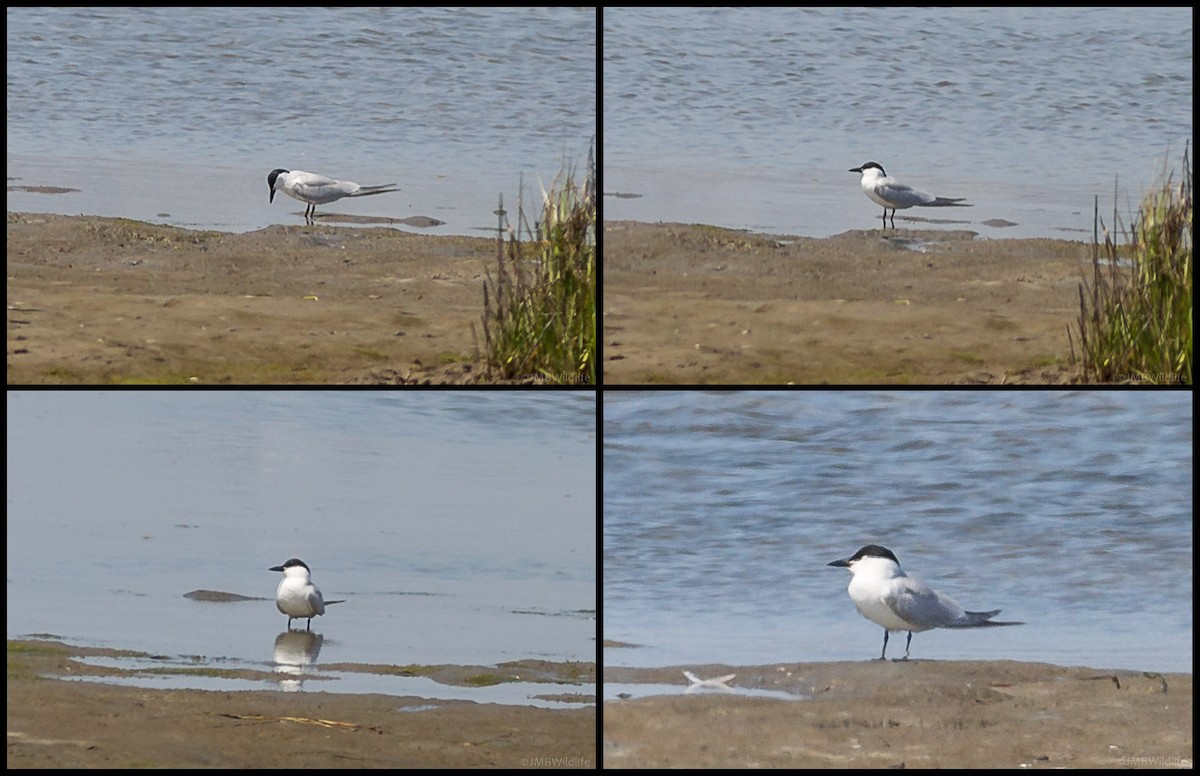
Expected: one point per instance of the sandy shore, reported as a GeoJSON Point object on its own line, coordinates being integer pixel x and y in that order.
{"type": "Point", "coordinates": [698, 304]}
{"type": "Point", "coordinates": [64, 724]}
{"type": "Point", "coordinates": [109, 300]}
{"type": "Point", "coordinates": [919, 714]}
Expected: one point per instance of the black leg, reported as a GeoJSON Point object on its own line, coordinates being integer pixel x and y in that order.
{"type": "Point", "coordinates": [883, 654]}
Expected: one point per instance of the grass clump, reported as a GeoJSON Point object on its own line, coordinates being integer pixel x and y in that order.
{"type": "Point", "coordinates": [539, 307]}
{"type": "Point", "coordinates": [1135, 316]}
{"type": "Point", "coordinates": [484, 680]}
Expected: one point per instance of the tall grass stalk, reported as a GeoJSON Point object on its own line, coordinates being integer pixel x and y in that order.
{"type": "Point", "coordinates": [539, 307]}
{"type": "Point", "coordinates": [1135, 320]}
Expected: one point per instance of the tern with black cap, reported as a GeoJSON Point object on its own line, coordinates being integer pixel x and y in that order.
{"type": "Point", "coordinates": [886, 596]}
{"type": "Point", "coordinates": [891, 193]}
{"type": "Point", "coordinates": [296, 595]}
{"type": "Point", "coordinates": [317, 189]}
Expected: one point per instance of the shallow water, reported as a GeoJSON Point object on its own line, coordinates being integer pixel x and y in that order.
{"type": "Point", "coordinates": [176, 115]}
{"type": "Point", "coordinates": [1067, 510]}
{"type": "Point", "coordinates": [751, 117]}
{"type": "Point", "coordinates": [459, 526]}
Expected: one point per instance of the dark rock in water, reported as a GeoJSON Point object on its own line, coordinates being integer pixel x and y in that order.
{"type": "Point", "coordinates": [217, 597]}
{"type": "Point", "coordinates": [421, 222]}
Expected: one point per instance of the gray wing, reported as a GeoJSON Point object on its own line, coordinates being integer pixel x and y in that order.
{"type": "Point", "coordinates": [365, 190]}
{"type": "Point", "coordinates": [302, 178]}
{"type": "Point", "coordinates": [921, 605]}
{"type": "Point", "coordinates": [903, 195]}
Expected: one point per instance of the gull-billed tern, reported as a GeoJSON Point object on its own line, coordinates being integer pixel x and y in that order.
{"type": "Point", "coordinates": [893, 194]}
{"type": "Point", "coordinates": [297, 596]}
{"type": "Point", "coordinates": [317, 189]}
{"type": "Point", "coordinates": [885, 595]}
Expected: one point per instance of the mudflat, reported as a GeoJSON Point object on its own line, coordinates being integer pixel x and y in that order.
{"type": "Point", "coordinates": [57, 723]}
{"type": "Point", "coordinates": [915, 714]}
{"type": "Point", "coordinates": [694, 304]}
{"type": "Point", "coordinates": [111, 301]}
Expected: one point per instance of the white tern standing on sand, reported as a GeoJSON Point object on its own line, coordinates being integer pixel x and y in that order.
{"type": "Point", "coordinates": [893, 194]}
{"type": "Point", "coordinates": [317, 189]}
{"type": "Point", "coordinates": [885, 595]}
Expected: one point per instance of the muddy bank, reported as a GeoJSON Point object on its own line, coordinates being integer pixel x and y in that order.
{"type": "Point", "coordinates": [56, 723]}
{"type": "Point", "coordinates": [919, 714]}
{"type": "Point", "coordinates": [699, 304]}
{"type": "Point", "coordinates": [108, 300]}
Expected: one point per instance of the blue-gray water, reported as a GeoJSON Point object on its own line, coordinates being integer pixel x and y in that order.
{"type": "Point", "coordinates": [751, 117]}
{"type": "Point", "coordinates": [176, 115]}
{"type": "Point", "coordinates": [1068, 510]}
{"type": "Point", "coordinates": [460, 527]}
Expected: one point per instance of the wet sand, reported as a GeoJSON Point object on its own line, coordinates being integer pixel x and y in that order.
{"type": "Point", "coordinates": [693, 304]}
{"type": "Point", "coordinates": [916, 714]}
{"type": "Point", "coordinates": [53, 723]}
{"type": "Point", "coordinates": [112, 301]}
